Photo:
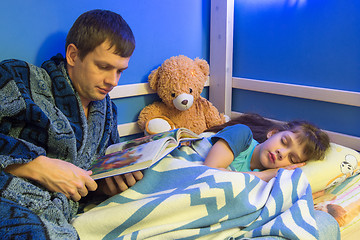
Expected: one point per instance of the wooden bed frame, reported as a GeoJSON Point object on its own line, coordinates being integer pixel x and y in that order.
{"type": "Point", "coordinates": [221, 83]}
{"type": "Point", "coordinates": [322, 94]}
{"type": "Point", "coordinates": [220, 91]}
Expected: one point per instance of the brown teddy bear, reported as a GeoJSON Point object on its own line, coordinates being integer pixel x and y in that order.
{"type": "Point", "coordinates": [179, 82]}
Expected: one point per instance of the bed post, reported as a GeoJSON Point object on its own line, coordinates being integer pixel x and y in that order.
{"type": "Point", "coordinates": [221, 54]}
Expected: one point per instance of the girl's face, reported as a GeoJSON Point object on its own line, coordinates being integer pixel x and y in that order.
{"type": "Point", "coordinates": [281, 149]}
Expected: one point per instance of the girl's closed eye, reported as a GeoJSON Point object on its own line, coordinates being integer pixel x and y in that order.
{"type": "Point", "coordinates": [292, 159]}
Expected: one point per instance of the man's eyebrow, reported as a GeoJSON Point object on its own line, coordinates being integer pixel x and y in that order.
{"type": "Point", "coordinates": [99, 62]}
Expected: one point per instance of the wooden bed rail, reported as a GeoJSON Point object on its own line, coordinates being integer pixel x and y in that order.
{"type": "Point", "coordinates": [299, 91]}
{"type": "Point", "coordinates": [339, 138]}
{"type": "Point", "coordinates": [322, 94]}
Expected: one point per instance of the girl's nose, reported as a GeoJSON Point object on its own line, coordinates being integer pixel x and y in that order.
{"type": "Point", "coordinates": [278, 154]}
{"type": "Point", "coordinates": [281, 153]}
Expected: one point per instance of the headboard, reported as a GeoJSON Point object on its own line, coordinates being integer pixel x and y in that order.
{"type": "Point", "coordinates": [221, 82]}
{"type": "Point", "coordinates": [348, 98]}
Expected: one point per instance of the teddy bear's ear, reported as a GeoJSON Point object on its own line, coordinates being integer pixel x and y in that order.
{"type": "Point", "coordinates": [203, 65]}
{"type": "Point", "coordinates": [152, 79]}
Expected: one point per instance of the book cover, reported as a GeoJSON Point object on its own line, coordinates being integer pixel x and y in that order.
{"type": "Point", "coordinates": [138, 154]}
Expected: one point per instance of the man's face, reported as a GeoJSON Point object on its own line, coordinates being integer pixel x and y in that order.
{"type": "Point", "coordinates": [97, 74]}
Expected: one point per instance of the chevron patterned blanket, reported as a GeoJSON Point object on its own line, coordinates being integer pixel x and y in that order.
{"type": "Point", "coordinates": [179, 198]}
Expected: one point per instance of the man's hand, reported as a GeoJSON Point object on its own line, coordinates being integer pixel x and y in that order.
{"type": "Point", "coordinates": [117, 184]}
{"type": "Point", "coordinates": [57, 176]}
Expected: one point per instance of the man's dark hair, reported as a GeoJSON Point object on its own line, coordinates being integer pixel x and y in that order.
{"type": "Point", "coordinates": [94, 27]}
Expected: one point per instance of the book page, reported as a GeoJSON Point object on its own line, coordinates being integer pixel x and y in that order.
{"type": "Point", "coordinates": [184, 135]}
{"type": "Point", "coordinates": [132, 159]}
{"type": "Point", "coordinates": [138, 141]}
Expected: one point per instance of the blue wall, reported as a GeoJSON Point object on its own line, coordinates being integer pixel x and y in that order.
{"type": "Point", "coordinates": [316, 43]}
{"type": "Point", "coordinates": [36, 30]}
{"type": "Point", "coordinates": [306, 42]}
{"type": "Point", "coordinates": [310, 42]}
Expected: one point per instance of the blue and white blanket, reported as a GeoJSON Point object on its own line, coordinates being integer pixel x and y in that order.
{"type": "Point", "coordinates": [179, 198]}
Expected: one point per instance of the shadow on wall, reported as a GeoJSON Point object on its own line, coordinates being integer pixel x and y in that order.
{"type": "Point", "coordinates": [52, 45]}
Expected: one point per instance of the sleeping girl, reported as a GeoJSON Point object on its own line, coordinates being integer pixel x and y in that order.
{"type": "Point", "coordinates": [258, 146]}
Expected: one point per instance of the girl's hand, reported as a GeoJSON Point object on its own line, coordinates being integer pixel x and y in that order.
{"type": "Point", "coordinates": [268, 174]}
{"type": "Point", "coordinates": [293, 166]}
{"type": "Point", "coordinates": [57, 176]}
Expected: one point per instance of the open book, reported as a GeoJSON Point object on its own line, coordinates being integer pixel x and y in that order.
{"type": "Point", "coordinates": [140, 153]}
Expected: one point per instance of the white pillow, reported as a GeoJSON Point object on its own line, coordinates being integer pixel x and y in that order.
{"type": "Point", "coordinates": [339, 163]}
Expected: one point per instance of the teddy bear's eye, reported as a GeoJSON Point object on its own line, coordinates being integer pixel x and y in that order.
{"type": "Point", "coordinates": [190, 90]}
{"type": "Point", "coordinates": [173, 94]}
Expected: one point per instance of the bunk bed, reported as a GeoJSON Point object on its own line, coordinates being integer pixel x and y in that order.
{"type": "Point", "coordinates": [330, 188]}
{"type": "Point", "coordinates": [185, 199]}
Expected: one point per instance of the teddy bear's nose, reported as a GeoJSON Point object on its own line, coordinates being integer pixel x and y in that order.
{"type": "Point", "coordinates": [184, 102]}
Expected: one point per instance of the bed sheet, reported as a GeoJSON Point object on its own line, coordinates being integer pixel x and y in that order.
{"type": "Point", "coordinates": [179, 198]}
{"type": "Point", "coordinates": [343, 203]}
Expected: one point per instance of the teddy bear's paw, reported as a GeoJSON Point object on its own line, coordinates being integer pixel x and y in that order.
{"type": "Point", "coordinates": [227, 118]}
{"type": "Point", "coordinates": [158, 125]}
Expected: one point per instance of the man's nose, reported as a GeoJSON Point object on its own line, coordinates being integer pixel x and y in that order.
{"type": "Point", "coordinates": [112, 78]}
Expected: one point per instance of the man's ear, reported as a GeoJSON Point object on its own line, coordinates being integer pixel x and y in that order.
{"type": "Point", "coordinates": [71, 54]}
{"type": "Point", "coordinates": [271, 132]}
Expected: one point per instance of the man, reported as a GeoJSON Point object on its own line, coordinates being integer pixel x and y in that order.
{"type": "Point", "coordinates": [55, 120]}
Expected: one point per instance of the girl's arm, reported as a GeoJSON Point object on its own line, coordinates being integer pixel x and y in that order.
{"type": "Point", "coordinates": [229, 143]}
{"type": "Point", "coordinates": [220, 155]}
